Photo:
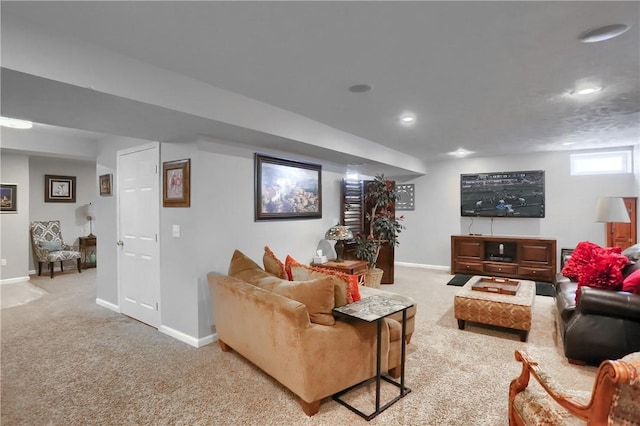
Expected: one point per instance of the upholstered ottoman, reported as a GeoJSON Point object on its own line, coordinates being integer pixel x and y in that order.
{"type": "Point", "coordinates": [503, 310]}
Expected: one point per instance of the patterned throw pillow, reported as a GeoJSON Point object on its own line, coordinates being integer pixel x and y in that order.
{"type": "Point", "coordinates": [54, 245]}
{"type": "Point", "coordinates": [272, 264]}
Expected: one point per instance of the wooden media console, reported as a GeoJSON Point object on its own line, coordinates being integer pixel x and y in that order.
{"type": "Point", "coordinates": [514, 257]}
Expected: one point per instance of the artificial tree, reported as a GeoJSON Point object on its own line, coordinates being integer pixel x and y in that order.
{"type": "Point", "coordinates": [384, 227]}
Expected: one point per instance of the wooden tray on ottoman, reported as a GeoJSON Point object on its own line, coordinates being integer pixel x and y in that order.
{"type": "Point", "coordinates": [497, 285]}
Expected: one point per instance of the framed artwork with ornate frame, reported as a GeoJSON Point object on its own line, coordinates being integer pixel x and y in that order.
{"type": "Point", "coordinates": [105, 182]}
{"type": "Point", "coordinates": [406, 196]}
{"type": "Point", "coordinates": [59, 189]}
{"type": "Point", "coordinates": [176, 188]}
{"type": "Point", "coordinates": [8, 198]}
{"type": "Point", "coordinates": [286, 189]}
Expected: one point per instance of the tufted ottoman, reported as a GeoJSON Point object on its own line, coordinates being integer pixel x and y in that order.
{"type": "Point", "coordinates": [504, 310]}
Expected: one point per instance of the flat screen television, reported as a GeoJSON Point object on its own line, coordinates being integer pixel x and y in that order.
{"type": "Point", "coordinates": [502, 194]}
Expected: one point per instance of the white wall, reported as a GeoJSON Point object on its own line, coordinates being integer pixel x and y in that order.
{"type": "Point", "coordinates": [570, 206]}
{"type": "Point", "coordinates": [15, 245]}
{"type": "Point", "coordinates": [72, 216]}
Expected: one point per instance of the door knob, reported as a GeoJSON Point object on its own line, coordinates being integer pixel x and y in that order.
{"type": "Point", "coordinates": [120, 243]}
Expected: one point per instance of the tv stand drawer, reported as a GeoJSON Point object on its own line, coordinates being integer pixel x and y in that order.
{"type": "Point", "coordinates": [469, 267]}
{"type": "Point", "coordinates": [543, 274]}
{"type": "Point", "coordinates": [501, 268]}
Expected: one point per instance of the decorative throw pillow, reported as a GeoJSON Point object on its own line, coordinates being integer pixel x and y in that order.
{"type": "Point", "coordinates": [272, 264]}
{"type": "Point", "coordinates": [632, 282]}
{"type": "Point", "coordinates": [240, 262]}
{"type": "Point", "coordinates": [581, 256]}
{"type": "Point", "coordinates": [604, 270]}
{"type": "Point", "coordinates": [316, 294]}
{"type": "Point", "coordinates": [54, 245]}
{"type": "Point", "coordinates": [341, 292]}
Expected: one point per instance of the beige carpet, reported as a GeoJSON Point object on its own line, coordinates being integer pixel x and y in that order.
{"type": "Point", "coordinates": [67, 361]}
{"type": "Point", "coordinates": [16, 294]}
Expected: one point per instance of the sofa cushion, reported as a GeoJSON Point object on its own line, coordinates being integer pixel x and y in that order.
{"type": "Point", "coordinates": [272, 264]}
{"type": "Point", "coordinates": [632, 253]}
{"type": "Point", "coordinates": [632, 283]}
{"type": "Point", "coordinates": [346, 290]}
{"type": "Point", "coordinates": [240, 262]}
{"type": "Point", "coordinates": [566, 299]}
{"type": "Point", "coordinates": [316, 294]}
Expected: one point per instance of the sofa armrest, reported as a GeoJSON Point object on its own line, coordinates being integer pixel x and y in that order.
{"type": "Point", "coordinates": [619, 304]}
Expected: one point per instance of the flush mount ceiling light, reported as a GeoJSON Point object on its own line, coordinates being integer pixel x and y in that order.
{"type": "Point", "coordinates": [361, 88]}
{"type": "Point", "coordinates": [602, 33]}
{"type": "Point", "coordinates": [407, 118]}
{"type": "Point", "coordinates": [15, 123]}
{"type": "Point", "coordinates": [460, 152]}
{"type": "Point", "coordinates": [588, 90]}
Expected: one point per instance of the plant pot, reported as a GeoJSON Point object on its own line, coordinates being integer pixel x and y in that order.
{"type": "Point", "coordinates": [373, 277]}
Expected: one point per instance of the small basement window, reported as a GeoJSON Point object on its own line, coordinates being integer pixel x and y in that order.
{"type": "Point", "coordinates": [598, 163]}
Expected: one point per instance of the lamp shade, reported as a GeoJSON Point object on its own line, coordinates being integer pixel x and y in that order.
{"type": "Point", "coordinates": [91, 210]}
{"type": "Point", "coordinates": [339, 232]}
{"type": "Point", "coordinates": [611, 209]}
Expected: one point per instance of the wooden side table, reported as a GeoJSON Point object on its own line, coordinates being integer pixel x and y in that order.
{"type": "Point", "coordinates": [87, 248]}
{"type": "Point", "coordinates": [351, 267]}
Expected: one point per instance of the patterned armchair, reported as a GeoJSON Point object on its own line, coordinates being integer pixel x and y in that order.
{"type": "Point", "coordinates": [615, 399]}
{"type": "Point", "coordinates": [49, 247]}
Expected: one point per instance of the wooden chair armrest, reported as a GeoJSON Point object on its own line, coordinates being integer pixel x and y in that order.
{"type": "Point", "coordinates": [596, 411]}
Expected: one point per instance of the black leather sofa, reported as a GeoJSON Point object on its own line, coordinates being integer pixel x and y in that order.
{"type": "Point", "coordinates": [603, 325]}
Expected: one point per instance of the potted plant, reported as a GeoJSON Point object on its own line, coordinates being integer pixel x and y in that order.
{"type": "Point", "coordinates": [384, 227]}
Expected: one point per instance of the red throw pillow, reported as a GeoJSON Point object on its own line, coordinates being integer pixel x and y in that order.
{"type": "Point", "coordinates": [355, 288]}
{"type": "Point", "coordinates": [581, 256]}
{"type": "Point", "coordinates": [632, 282]}
{"type": "Point", "coordinates": [288, 263]}
{"type": "Point", "coordinates": [604, 271]}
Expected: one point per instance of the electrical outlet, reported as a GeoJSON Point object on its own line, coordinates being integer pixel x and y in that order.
{"type": "Point", "coordinates": [3, 262]}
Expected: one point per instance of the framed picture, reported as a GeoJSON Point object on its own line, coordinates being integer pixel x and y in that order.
{"type": "Point", "coordinates": [287, 189]}
{"type": "Point", "coordinates": [176, 189]}
{"type": "Point", "coordinates": [59, 189]}
{"type": "Point", "coordinates": [105, 184]}
{"type": "Point", "coordinates": [406, 196]}
{"type": "Point", "coordinates": [8, 198]}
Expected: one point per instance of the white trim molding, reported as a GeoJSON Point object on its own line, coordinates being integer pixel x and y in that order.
{"type": "Point", "coordinates": [14, 280]}
{"type": "Point", "coordinates": [108, 305]}
{"type": "Point", "coordinates": [190, 340]}
{"type": "Point", "coordinates": [423, 266]}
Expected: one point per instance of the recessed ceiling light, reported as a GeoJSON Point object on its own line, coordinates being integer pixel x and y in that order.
{"type": "Point", "coordinates": [460, 152]}
{"type": "Point", "coordinates": [360, 88]}
{"type": "Point", "coordinates": [15, 123]}
{"type": "Point", "coordinates": [408, 118]}
{"type": "Point", "coordinates": [602, 33]}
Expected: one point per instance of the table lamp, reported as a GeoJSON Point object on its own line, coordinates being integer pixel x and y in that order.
{"type": "Point", "coordinates": [339, 233]}
{"type": "Point", "coordinates": [91, 214]}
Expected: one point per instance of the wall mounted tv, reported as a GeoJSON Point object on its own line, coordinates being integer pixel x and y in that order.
{"type": "Point", "coordinates": [502, 194]}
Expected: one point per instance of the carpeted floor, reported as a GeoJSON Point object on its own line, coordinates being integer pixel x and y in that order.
{"type": "Point", "coordinates": [66, 360]}
{"type": "Point", "coordinates": [542, 288]}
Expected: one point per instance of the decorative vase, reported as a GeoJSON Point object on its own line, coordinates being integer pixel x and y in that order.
{"type": "Point", "coordinates": [92, 257]}
{"type": "Point", "coordinates": [373, 277]}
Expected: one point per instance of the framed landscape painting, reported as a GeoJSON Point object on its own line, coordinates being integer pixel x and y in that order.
{"type": "Point", "coordinates": [59, 189]}
{"type": "Point", "coordinates": [8, 198]}
{"type": "Point", "coordinates": [287, 189]}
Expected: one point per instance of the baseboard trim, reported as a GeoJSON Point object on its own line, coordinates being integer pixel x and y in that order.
{"type": "Point", "coordinates": [423, 266]}
{"type": "Point", "coordinates": [108, 305]}
{"type": "Point", "coordinates": [190, 340]}
{"type": "Point", "coordinates": [14, 280]}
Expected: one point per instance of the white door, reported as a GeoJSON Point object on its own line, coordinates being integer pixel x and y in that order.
{"type": "Point", "coordinates": [138, 229]}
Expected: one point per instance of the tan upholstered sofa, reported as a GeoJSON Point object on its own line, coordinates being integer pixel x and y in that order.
{"type": "Point", "coordinates": [256, 316]}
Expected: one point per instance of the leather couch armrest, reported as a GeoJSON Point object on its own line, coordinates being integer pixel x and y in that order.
{"type": "Point", "coordinates": [609, 303]}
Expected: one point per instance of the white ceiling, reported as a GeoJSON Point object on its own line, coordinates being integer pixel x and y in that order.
{"type": "Point", "coordinates": [491, 77]}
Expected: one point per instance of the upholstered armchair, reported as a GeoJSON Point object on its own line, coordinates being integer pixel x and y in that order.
{"type": "Point", "coordinates": [49, 247]}
{"type": "Point", "coordinates": [615, 399]}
